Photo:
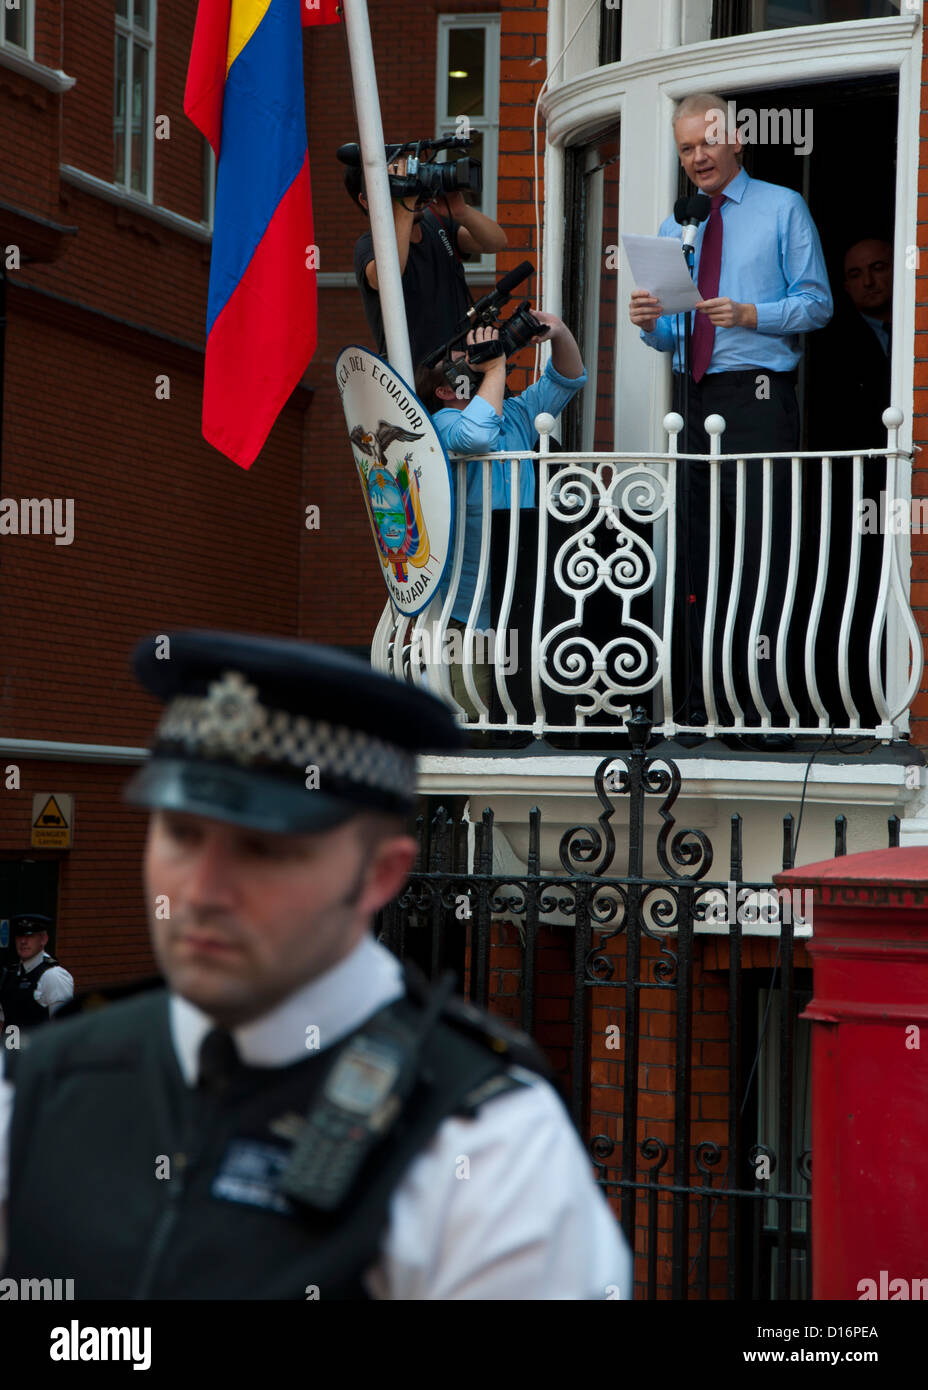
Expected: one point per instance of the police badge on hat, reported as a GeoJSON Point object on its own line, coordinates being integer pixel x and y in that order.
{"type": "Point", "coordinates": [247, 717]}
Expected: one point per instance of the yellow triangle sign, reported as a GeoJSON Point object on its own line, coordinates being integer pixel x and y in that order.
{"type": "Point", "coordinates": [50, 815]}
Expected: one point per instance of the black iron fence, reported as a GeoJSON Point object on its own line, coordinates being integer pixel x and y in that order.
{"type": "Point", "coordinates": [670, 1006]}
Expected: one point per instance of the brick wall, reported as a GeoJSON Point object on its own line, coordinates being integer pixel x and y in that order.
{"type": "Point", "coordinates": [167, 532]}
{"type": "Point", "coordinates": [101, 932]}
{"type": "Point", "coordinates": [656, 1076]}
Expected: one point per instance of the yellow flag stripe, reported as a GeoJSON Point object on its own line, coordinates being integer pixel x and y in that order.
{"type": "Point", "coordinates": [244, 19]}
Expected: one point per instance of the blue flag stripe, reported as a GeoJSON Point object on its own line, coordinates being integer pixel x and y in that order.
{"type": "Point", "coordinates": [263, 146]}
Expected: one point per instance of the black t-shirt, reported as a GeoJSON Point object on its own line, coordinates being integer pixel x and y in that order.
{"type": "Point", "coordinates": [434, 288]}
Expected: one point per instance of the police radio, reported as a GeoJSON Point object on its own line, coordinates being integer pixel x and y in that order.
{"type": "Point", "coordinates": [362, 1097]}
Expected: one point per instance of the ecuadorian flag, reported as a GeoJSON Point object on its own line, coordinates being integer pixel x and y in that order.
{"type": "Point", "coordinates": [245, 93]}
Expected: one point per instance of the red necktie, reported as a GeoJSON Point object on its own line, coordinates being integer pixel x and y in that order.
{"type": "Point", "coordinates": [710, 266]}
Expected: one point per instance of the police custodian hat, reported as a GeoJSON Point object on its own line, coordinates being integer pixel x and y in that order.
{"type": "Point", "coordinates": [280, 736]}
{"type": "Point", "coordinates": [29, 923]}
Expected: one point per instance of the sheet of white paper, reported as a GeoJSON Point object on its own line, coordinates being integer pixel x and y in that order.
{"type": "Point", "coordinates": [658, 265]}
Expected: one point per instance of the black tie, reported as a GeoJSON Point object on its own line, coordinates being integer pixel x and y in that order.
{"type": "Point", "coordinates": [219, 1060]}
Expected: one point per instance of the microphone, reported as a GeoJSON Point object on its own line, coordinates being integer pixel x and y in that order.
{"type": "Point", "coordinates": [689, 212]}
{"type": "Point", "coordinates": [502, 290]}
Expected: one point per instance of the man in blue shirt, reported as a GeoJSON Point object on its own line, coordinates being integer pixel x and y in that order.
{"type": "Point", "coordinates": [760, 269]}
{"type": "Point", "coordinates": [486, 422]}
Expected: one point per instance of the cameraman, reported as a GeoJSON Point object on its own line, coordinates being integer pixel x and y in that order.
{"type": "Point", "coordinates": [429, 247]}
{"type": "Point", "coordinates": [473, 416]}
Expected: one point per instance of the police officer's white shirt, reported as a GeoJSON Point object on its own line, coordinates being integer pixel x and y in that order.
{"type": "Point", "coordinates": [56, 986]}
{"type": "Point", "coordinates": [502, 1206]}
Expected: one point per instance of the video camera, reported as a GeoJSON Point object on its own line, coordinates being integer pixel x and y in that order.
{"type": "Point", "coordinates": [514, 332]}
{"type": "Point", "coordinates": [424, 177]}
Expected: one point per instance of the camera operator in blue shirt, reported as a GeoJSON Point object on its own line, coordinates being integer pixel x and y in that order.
{"type": "Point", "coordinates": [474, 416]}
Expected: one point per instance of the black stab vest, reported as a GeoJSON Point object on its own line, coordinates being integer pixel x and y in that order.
{"type": "Point", "coordinates": [101, 1105]}
{"type": "Point", "coordinates": [17, 995]}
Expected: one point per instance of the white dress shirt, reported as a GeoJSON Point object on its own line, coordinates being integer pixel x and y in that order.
{"type": "Point", "coordinates": [502, 1206]}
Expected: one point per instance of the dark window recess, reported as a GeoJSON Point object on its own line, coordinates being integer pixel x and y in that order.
{"type": "Point", "coordinates": [610, 33]}
{"type": "Point", "coordinates": [28, 885]}
{"type": "Point", "coordinates": [730, 17]}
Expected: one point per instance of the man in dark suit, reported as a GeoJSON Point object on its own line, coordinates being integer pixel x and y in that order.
{"type": "Point", "coordinates": [850, 377]}
{"type": "Point", "coordinates": [849, 388]}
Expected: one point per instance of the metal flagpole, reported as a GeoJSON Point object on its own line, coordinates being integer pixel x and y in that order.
{"type": "Point", "coordinates": [383, 233]}
{"type": "Point", "coordinates": [377, 188]}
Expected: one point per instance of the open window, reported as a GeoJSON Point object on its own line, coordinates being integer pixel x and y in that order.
{"type": "Point", "coordinates": [467, 99]}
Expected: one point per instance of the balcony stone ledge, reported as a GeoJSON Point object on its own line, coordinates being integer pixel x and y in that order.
{"type": "Point", "coordinates": [526, 776]}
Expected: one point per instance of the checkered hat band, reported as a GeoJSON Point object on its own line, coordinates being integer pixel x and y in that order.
{"type": "Point", "coordinates": [253, 736]}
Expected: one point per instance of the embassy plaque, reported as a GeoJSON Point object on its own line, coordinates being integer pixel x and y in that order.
{"type": "Point", "coordinates": [404, 474]}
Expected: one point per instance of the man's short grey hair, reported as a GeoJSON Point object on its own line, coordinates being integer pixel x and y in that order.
{"type": "Point", "coordinates": [698, 104]}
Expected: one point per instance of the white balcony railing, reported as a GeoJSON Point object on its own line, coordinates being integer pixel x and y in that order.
{"type": "Point", "coordinates": [587, 614]}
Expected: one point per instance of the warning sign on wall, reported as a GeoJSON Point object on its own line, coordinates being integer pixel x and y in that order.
{"type": "Point", "coordinates": [52, 820]}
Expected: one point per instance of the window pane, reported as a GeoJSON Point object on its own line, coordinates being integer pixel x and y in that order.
{"type": "Point", "coordinates": [141, 13]}
{"type": "Point", "coordinates": [744, 17]}
{"type": "Point", "coordinates": [466, 65]}
{"type": "Point", "coordinates": [122, 8]}
{"type": "Point", "coordinates": [119, 112]}
{"type": "Point", "coordinates": [139, 180]}
{"type": "Point", "coordinates": [15, 31]}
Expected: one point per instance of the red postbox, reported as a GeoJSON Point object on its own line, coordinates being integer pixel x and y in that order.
{"type": "Point", "coordinates": [869, 1073]}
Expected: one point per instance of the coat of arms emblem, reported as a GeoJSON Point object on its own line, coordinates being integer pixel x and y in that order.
{"type": "Point", "coordinates": [392, 499]}
{"type": "Point", "coordinates": [407, 497]}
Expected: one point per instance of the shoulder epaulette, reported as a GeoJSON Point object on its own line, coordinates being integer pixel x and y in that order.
{"type": "Point", "coordinates": [510, 1044]}
{"type": "Point", "coordinates": [499, 1035]}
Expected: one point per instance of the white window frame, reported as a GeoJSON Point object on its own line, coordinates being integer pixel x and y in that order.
{"type": "Point", "coordinates": [641, 92]}
{"type": "Point", "coordinates": [27, 9]}
{"type": "Point", "coordinates": [487, 124]}
{"type": "Point", "coordinates": [144, 38]}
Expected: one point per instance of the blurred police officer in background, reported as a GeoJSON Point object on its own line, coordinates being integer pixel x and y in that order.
{"type": "Point", "coordinates": [293, 1117]}
{"type": "Point", "coordinates": [34, 991]}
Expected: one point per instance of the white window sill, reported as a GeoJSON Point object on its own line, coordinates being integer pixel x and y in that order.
{"type": "Point", "coordinates": [122, 197]}
{"type": "Point", "coordinates": [53, 79]}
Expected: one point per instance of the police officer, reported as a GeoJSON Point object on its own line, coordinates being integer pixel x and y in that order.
{"type": "Point", "coordinates": [293, 1117]}
{"type": "Point", "coordinates": [35, 990]}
